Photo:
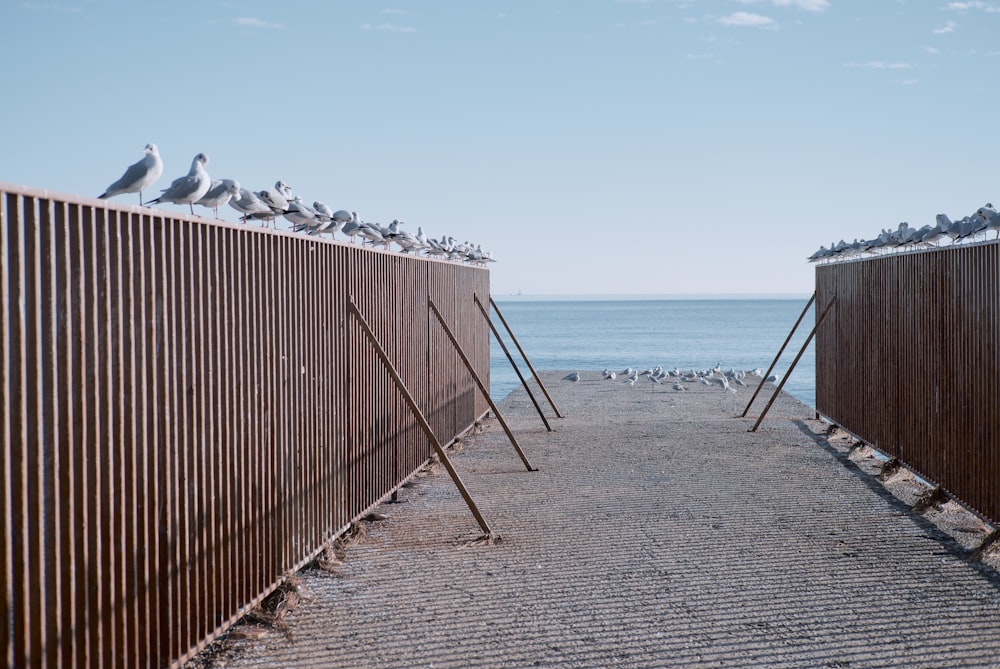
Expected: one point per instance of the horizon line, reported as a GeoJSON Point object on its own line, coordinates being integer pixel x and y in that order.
{"type": "Point", "coordinates": [652, 296]}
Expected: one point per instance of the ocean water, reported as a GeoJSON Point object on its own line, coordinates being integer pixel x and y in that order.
{"type": "Point", "coordinates": [588, 335]}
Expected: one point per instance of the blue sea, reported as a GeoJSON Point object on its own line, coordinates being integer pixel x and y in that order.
{"type": "Point", "coordinates": [590, 334]}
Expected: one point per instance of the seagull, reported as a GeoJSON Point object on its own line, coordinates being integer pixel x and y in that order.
{"type": "Point", "coordinates": [352, 228]}
{"type": "Point", "coordinates": [188, 189]}
{"type": "Point", "coordinates": [339, 220]}
{"type": "Point", "coordinates": [323, 217]}
{"type": "Point", "coordinates": [139, 176]}
{"type": "Point", "coordinates": [991, 217]}
{"type": "Point", "coordinates": [969, 227]}
{"type": "Point", "coordinates": [408, 242]}
{"type": "Point", "coordinates": [574, 377]}
{"type": "Point", "coordinates": [679, 386]}
{"type": "Point", "coordinates": [720, 381]}
{"type": "Point", "coordinates": [283, 189]}
{"type": "Point", "coordinates": [275, 199]}
{"type": "Point", "coordinates": [219, 192]}
{"type": "Point", "coordinates": [330, 221]}
{"type": "Point", "coordinates": [247, 203]}
{"type": "Point", "coordinates": [373, 233]}
{"type": "Point", "coordinates": [301, 216]}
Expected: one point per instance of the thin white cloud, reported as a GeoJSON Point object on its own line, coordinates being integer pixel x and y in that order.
{"type": "Point", "coordinates": [746, 19]}
{"type": "Point", "coordinates": [909, 82]}
{"type": "Point", "coordinates": [253, 22]}
{"type": "Point", "coordinates": [388, 28]}
{"type": "Point", "coordinates": [880, 65]}
{"type": "Point", "coordinates": [808, 5]}
{"type": "Point", "coordinates": [948, 27]}
{"type": "Point", "coordinates": [974, 4]}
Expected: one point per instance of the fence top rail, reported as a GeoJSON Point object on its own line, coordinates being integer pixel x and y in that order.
{"type": "Point", "coordinates": [82, 200]}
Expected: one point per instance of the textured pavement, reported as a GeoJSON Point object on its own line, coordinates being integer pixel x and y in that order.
{"type": "Point", "coordinates": [658, 532]}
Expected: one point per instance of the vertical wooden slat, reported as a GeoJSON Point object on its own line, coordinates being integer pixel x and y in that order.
{"type": "Point", "coordinates": [175, 557]}
{"type": "Point", "coordinates": [64, 435]}
{"type": "Point", "coordinates": [117, 445]}
{"type": "Point", "coordinates": [38, 453]}
{"type": "Point", "coordinates": [11, 623]}
{"type": "Point", "coordinates": [47, 417]}
{"type": "Point", "coordinates": [142, 437]}
{"type": "Point", "coordinates": [22, 511]}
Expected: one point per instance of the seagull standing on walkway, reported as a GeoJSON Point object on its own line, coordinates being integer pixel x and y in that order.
{"type": "Point", "coordinates": [139, 176]}
{"type": "Point", "coordinates": [188, 189]}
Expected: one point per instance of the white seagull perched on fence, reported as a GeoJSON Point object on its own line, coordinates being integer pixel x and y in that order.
{"type": "Point", "coordinates": [276, 199]}
{"type": "Point", "coordinates": [247, 203]}
{"type": "Point", "coordinates": [220, 192]}
{"type": "Point", "coordinates": [339, 220]}
{"type": "Point", "coordinates": [190, 188]}
{"type": "Point", "coordinates": [991, 217]}
{"type": "Point", "coordinates": [139, 176]}
{"type": "Point", "coordinates": [300, 215]}
{"type": "Point", "coordinates": [352, 227]}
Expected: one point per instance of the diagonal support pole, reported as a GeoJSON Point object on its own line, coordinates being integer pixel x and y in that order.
{"type": "Point", "coordinates": [383, 356]}
{"type": "Point", "coordinates": [524, 357]}
{"type": "Point", "coordinates": [780, 351]}
{"type": "Point", "coordinates": [812, 333]}
{"type": "Point", "coordinates": [482, 387]}
{"type": "Point", "coordinates": [510, 359]}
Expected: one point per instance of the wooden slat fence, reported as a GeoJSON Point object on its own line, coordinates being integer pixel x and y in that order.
{"type": "Point", "coordinates": [189, 413]}
{"type": "Point", "coordinates": [909, 361]}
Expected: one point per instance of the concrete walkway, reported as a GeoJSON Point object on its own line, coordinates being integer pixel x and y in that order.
{"type": "Point", "coordinates": [658, 532]}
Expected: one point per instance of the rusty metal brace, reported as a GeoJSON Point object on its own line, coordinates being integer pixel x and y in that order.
{"type": "Point", "coordinates": [482, 387]}
{"type": "Point", "coordinates": [520, 350]}
{"type": "Point", "coordinates": [383, 356]}
{"type": "Point", "coordinates": [777, 391]}
{"type": "Point", "coordinates": [780, 351]}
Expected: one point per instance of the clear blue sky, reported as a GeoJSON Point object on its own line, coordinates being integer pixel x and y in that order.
{"type": "Point", "coordinates": [594, 146]}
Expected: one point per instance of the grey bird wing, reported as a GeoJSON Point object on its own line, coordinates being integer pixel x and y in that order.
{"type": "Point", "coordinates": [129, 182]}
{"type": "Point", "coordinates": [181, 188]}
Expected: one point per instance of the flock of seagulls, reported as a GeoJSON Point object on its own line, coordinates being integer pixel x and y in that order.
{"type": "Point", "coordinates": [727, 380]}
{"type": "Point", "coordinates": [197, 187]}
{"type": "Point", "coordinates": [986, 219]}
